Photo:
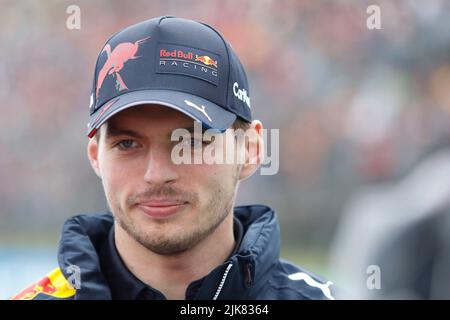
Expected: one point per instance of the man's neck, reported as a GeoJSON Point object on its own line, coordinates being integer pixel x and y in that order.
{"type": "Point", "coordinates": [172, 274]}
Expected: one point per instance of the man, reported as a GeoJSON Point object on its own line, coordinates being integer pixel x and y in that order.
{"type": "Point", "coordinates": [172, 232]}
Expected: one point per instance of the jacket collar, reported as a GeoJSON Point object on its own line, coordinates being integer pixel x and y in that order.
{"type": "Point", "coordinates": [240, 277]}
{"type": "Point", "coordinates": [257, 255]}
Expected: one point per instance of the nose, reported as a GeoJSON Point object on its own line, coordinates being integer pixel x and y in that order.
{"type": "Point", "coordinates": [160, 168]}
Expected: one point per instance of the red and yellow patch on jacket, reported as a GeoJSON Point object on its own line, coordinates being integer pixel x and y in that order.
{"type": "Point", "coordinates": [53, 284]}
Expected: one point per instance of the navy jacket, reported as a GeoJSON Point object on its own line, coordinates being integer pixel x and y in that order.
{"type": "Point", "coordinates": [253, 271]}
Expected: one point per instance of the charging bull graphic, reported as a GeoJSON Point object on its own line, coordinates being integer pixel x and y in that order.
{"type": "Point", "coordinates": [116, 59]}
{"type": "Point", "coordinates": [206, 60]}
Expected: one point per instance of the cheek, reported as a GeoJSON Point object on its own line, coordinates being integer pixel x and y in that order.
{"type": "Point", "coordinates": [117, 178]}
{"type": "Point", "coordinates": [210, 178]}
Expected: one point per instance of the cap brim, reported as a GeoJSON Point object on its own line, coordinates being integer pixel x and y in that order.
{"type": "Point", "coordinates": [209, 114]}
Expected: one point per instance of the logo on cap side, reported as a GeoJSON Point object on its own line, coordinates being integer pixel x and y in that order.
{"type": "Point", "coordinates": [115, 62]}
{"type": "Point", "coordinates": [241, 94]}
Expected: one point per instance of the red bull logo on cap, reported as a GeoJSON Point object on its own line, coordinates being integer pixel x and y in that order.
{"type": "Point", "coordinates": [188, 61]}
{"type": "Point", "coordinates": [176, 54]}
{"type": "Point", "coordinates": [206, 60]}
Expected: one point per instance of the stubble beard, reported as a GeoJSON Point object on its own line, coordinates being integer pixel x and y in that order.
{"type": "Point", "coordinates": [218, 208]}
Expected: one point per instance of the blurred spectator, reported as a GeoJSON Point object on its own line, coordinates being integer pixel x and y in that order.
{"type": "Point", "coordinates": [402, 228]}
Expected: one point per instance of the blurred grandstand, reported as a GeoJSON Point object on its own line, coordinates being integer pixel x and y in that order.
{"type": "Point", "coordinates": [354, 107]}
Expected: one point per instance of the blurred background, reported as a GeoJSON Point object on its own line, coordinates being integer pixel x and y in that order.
{"type": "Point", "coordinates": [364, 119]}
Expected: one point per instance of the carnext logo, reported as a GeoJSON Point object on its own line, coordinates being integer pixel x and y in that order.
{"type": "Point", "coordinates": [241, 94]}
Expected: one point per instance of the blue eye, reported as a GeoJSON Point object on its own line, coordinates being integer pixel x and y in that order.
{"type": "Point", "coordinates": [126, 144]}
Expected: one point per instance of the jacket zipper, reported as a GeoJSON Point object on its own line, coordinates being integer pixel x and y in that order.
{"type": "Point", "coordinates": [222, 282]}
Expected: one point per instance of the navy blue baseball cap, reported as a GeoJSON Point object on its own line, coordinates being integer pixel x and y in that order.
{"type": "Point", "coordinates": [178, 63]}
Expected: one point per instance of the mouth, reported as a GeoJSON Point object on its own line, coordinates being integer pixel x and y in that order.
{"type": "Point", "coordinates": [161, 209]}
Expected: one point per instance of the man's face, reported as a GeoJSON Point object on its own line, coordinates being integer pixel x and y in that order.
{"type": "Point", "coordinates": [142, 184]}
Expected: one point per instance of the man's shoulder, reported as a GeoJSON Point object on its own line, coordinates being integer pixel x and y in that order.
{"type": "Point", "coordinates": [52, 286]}
{"type": "Point", "coordinates": [289, 281]}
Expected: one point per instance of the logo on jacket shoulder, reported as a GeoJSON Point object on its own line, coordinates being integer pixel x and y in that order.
{"type": "Point", "coordinates": [324, 287]}
{"type": "Point", "coordinates": [53, 284]}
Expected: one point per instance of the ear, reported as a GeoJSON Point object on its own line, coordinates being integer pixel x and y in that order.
{"type": "Point", "coordinates": [254, 150]}
{"type": "Point", "coordinates": [92, 153]}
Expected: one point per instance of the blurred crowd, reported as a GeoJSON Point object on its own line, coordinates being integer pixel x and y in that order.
{"type": "Point", "coordinates": [355, 107]}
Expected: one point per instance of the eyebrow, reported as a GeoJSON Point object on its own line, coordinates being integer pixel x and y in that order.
{"type": "Point", "coordinates": [115, 131]}
{"type": "Point", "coordinates": [191, 129]}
